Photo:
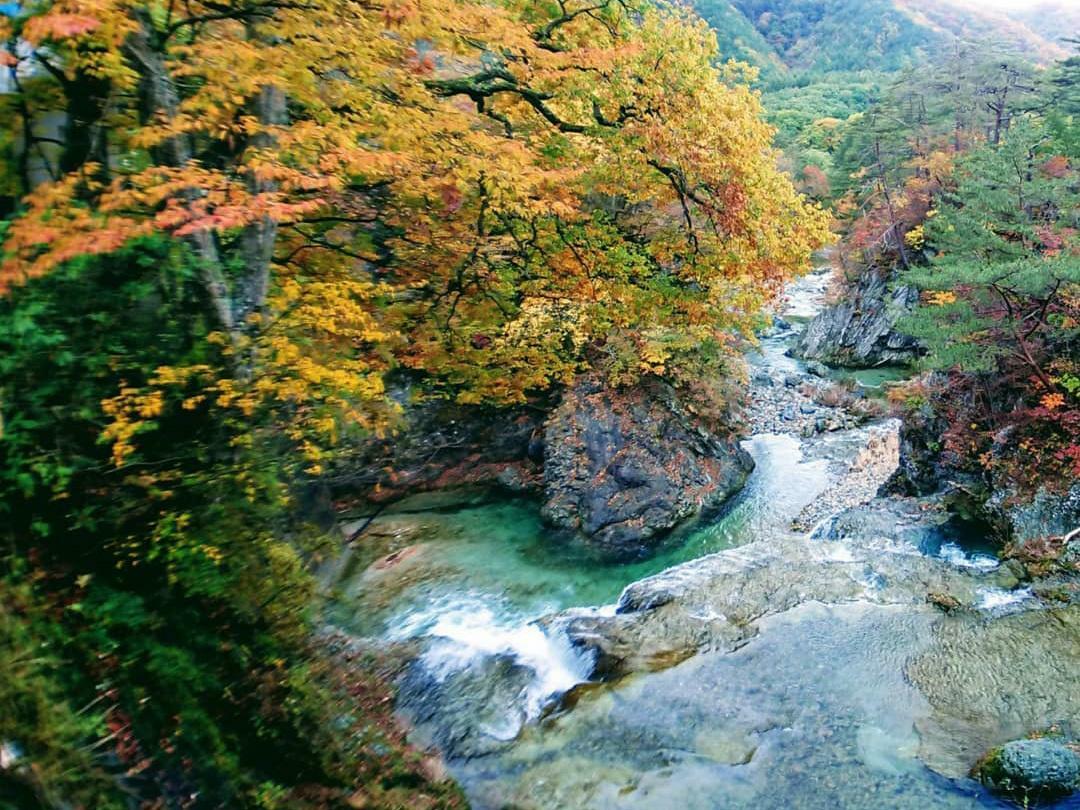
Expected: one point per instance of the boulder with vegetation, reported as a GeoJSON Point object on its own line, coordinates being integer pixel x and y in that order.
{"type": "Point", "coordinates": [1031, 770]}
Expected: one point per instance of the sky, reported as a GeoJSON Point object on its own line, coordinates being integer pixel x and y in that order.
{"type": "Point", "coordinates": [1013, 4]}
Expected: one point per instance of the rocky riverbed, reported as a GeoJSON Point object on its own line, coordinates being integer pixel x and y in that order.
{"type": "Point", "coordinates": [817, 645]}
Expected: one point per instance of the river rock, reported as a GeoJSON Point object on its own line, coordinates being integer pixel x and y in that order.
{"type": "Point", "coordinates": [622, 468]}
{"type": "Point", "coordinates": [716, 602]}
{"type": "Point", "coordinates": [918, 523]}
{"type": "Point", "coordinates": [1037, 769]}
{"type": "Point", "coordinates": [466, 712]}
{"type": "Point", "coordinates": [991, 681]}
{"type": "Point", "coordinates": [443, 455]}
{"type": "Point", "coordinates": [860, 331]}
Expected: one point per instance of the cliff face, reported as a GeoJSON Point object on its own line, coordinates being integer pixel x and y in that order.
{"type": "Point", "coordinates": [616, 468]}
{"type": "Point", "coordinates": [1025, 518]}
{"type": "Point", "coordinates": [861, 330]}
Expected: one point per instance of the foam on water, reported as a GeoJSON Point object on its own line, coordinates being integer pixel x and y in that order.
{"type": "Point", "coordinates": [805, 297]}
{"type": "Point", "coordinates": [469, 629]}
{"type": "Point", "coordinates": [999, 601]}
{"type": "Point", "coordinates": [953, 554]}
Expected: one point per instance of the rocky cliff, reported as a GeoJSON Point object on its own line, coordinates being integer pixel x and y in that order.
{"type": "Point", "coordinates": [860, 331]}
{"type": "Point", "coordinates": [617, 468]}
{"type": "Point", "coordinates": [1021, 515]}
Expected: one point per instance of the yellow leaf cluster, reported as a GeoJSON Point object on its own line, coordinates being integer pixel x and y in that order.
{"type": "Point", "coordinates": [485, 192]}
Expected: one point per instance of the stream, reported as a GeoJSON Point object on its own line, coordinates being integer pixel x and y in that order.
{"type": "Point", "coordinates": [841, 689]}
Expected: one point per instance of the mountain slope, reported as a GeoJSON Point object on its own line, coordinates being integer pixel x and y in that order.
{"type": "Point", "coordinates": [792, 41]}
{"type": "Point", "coordinates": [1051, 21]}
{"type": "Point", "coordinates": [740, 40]}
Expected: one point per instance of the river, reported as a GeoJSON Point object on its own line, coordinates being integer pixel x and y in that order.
{"type": "Point", "coordinates": [829, 697]}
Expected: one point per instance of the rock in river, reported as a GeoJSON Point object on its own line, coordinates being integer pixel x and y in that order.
{"type": "Point", "coordinates": [1031, 769]}
{"type": "Point", "coordinates": [861, 330]}
{"type": "Point", "coordinates": [623, 467]}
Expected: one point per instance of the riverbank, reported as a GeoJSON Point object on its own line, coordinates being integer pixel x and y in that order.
{"type": "Point", "coordinates": [789, 653]}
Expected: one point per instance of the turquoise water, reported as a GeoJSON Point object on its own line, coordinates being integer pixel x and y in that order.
{"type": "Point", "coordinates": [873, 379]}
{"type": "Point", "coordinates": [500, 557]}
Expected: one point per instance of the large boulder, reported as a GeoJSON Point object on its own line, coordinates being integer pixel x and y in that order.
{"type": "Point", "coordinates": [1029, 770]}
{"type": "Point", "coordinates": [623, 467]}
{"type": "Point", "coordinates": [860, 331]}
{"type": "Point", "coordinates": [466, 711]}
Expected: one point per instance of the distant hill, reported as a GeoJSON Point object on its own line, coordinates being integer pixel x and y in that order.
{"type": "Point", "coordinates": [740, 40]}
{"type": "Point", "coordinates": [967, 19]}
{"type": "Point", "coordinates": [792, 41]}
{"type": "Point", "coordinates": [1051, 21]}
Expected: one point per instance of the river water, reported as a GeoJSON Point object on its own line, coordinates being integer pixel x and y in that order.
{"type": "Point", "coordinates": [819, 709]}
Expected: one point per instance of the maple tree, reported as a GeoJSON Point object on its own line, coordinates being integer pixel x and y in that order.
{"type": "Point", "coordinates": [480, 192]}
{"type": "Point", "coordinates": [230, 225]}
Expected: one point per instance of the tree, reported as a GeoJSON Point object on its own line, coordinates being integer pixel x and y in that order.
{"type": "Point", "coordinates": [1001, 296]}
{"type": "Point", "coordinates": [402, 190]}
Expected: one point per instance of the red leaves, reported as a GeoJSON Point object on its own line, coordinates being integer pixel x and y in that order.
{"type": "Point", "coordinates": [1056, 167]}
{"type": "Point", "coordinates": [815, 183]}
{"type": "Point", "coordinates": [396, 14]}
{"type": "Point", "coordinates": [452, 197]}
{"type": "Point", "coordinates": [57, 26]}
{"type": "Point", "coordinates": [421, 64]}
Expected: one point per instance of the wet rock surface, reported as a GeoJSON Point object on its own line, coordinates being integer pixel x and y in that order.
{"type": "Point", "coordinates": [467, 712]}
{"type": "Point", "coordinates": [989, 678]}
{"type": "Point", "coordinates": [714, 603]}
{"type": "Point", "coordinates": [1044, 514]}
{"type": "Point", "coordinates": [862, 472]}
{"type": "Point", "coordinates": [1028, 770]}
{"type": "Point", "coordinates": [622, 468]}
{"type": "Point", "coordinates": [860, 331]}
{"type": "Point", "coordinates": [791, 719]}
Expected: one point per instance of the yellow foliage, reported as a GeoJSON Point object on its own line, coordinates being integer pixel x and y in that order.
{"type": "Point", "coordinates": [940, 298]}
{"type": "Point", "coordinates": [916, 237]}
{"type": "Point", "coordinates": [484, 192]}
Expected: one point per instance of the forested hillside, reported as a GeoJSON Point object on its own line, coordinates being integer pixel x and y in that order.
{"type": "Point", "coordinates": [813, 38]}
{"type": "Point", "coordinates": [291, 292]}
{"type": "Point", "coordinates": [960, 183]}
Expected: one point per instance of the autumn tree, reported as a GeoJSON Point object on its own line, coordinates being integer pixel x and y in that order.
{"type": "Point", "coordinates": [1000, 297]}
{"type": "Point", "coordinates": [404, 190]}
{"type": "Point", "coordinates": [232, 223]}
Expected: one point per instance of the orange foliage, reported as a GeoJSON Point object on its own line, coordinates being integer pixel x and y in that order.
{"type": "Point", "coordinates": [487, 208]}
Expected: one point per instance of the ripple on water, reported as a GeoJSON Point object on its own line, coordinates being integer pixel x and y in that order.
{"type": "Point", "coordinates": [816, 712]}
{"type": "Point", "coordinates": [498, 559]}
